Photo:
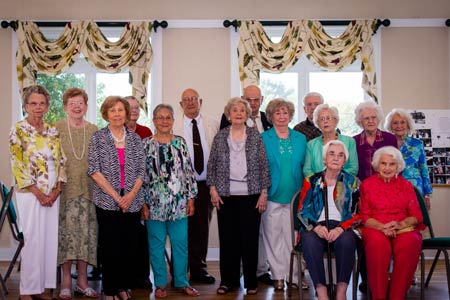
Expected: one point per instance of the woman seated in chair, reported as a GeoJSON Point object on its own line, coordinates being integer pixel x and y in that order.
{"type": "Point", "coordinates": [340, 191]}
{"type": "Point", "coordinates": [392, 218]}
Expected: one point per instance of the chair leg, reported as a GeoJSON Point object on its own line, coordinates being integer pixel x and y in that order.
{"type": "Point", "coordinates": [436, 258]}
{"type": "Point", "coordinates": [300, 276]}
{"type": "Point", "coordinates": [291, 272]}
{"type": "Point", "coordinates": [355, 278]}
{"type": "Point", "coordinates": [5, 289]}
{"type": "Point", "coordinates": [447, 265]}
{"type": "Point", "coordinates": [422, 275]}
{"type": "Point", "coordinates": [13, 261]}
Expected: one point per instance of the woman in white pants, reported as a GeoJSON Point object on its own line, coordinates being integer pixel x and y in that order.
{"type": "Point", "coordinates": [38, 167]}
{"type": "Point", "coordinates": [285, 150]}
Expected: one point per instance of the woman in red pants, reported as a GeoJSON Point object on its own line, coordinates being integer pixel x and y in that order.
{"type": "Point", "coordinates": [392, 219]}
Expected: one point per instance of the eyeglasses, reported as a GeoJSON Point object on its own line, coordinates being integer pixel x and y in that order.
{"type": "Point", "coordinates": [36, 104]}
{"type": "Point", "coordinates": [162, 119]}
{"type": "Point", "coordinates": [75, 103]}
{"type": "Point", "coordinates": [248, 99]}
{"type": "Point", "coordinates": [136, 108]}
{"type": "Point", "coordinates": [327, 118]}
{"type": "Point", "coordinates": [368, 119]}
{"type": "Point", "coordinates": [190, 99]}
{"type": "Point", "coordinates": [339, 155]}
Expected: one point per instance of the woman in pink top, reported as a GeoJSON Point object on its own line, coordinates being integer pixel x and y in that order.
{"type": "Point", "coordinates": [392, 219]}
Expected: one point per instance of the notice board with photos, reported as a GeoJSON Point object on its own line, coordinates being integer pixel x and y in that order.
{"type": "Point", "coordinates": [432, 126]}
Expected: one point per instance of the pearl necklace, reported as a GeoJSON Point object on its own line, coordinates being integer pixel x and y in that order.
{"type": "Point", "coordinates": [71, 141]}
{"type": "Point", "coordinates": [121, 140]}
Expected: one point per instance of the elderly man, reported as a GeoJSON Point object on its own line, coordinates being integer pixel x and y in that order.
{"type": "Point", "coordinates": [307, 127]}
{"type": "Point", "coordinates": [198, 130]}
{"type": "Point", "coordinates": [143, 274]}
{"type": "Point", "coordinates": [258, 119]}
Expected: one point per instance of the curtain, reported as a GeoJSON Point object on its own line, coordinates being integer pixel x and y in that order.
{"type": "Point", "coordinates": [132, 51]}
{"type": "Point", "coordinates": [256, 51]}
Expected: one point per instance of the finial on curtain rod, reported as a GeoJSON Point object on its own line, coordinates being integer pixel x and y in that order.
{"type": "Point", "coordinates": [447, 22]}
{"type": "Point", "coordinates": [13, 24]}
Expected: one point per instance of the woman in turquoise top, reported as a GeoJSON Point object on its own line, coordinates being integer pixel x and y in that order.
{"type": "Point", "coordinates": [400, 123]}
{"type": "Point", "coordinates": [171, 190]}
{"type": "Point", "coordinates": [285, 150]}
{"type": "Point", "coordinates": [326, 118]}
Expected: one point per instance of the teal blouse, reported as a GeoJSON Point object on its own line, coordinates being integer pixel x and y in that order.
{"type": "Point", "coordinates": [314, 160]}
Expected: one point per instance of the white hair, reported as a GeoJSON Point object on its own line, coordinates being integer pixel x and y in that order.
{"type": "Point", "coordinates": [402, 114]}
{"type": "Point", "coordinates": [392, 151]}
{"type": "Point", "coordinates": [334, 142]}
{"type": "Point", "coordinates": [312, 94]}
{"type": "Point", "coordinates": [321, 107]}
{"type": "Point", "coordinates": [367, 105]}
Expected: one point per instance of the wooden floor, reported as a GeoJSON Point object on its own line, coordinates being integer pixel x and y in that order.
{"type": "Point", "coordinates": [436, 291]}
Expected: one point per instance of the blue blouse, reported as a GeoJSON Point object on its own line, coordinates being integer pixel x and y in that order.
{"type": "Point", "coordinates": [416, 170]}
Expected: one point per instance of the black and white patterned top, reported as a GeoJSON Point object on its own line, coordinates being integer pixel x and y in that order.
{"type": "Point", "coordinates": [218, 174]}
{"type": "Point", "coordinates": [103, 158]}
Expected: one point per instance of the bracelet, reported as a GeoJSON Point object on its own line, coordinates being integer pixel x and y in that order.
{"type": "Point", "coordinates": [118, 199]}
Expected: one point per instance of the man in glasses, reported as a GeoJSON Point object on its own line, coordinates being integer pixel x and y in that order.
{"type": "Point", "coordinates": [198, 130]}
{"type": "Point", "coordinates": [258, 119]}
{"type": "Point", "coordinates": [307, 127]}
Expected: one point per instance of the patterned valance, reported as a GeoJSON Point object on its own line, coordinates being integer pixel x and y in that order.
{"type": "Point", "coordinates": [256, 51]}
{"type": "Point", "coordinates": [133, 51]}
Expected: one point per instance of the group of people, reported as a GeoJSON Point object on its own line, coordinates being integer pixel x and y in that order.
{"type": "Point", "coordinates": [94, 188]}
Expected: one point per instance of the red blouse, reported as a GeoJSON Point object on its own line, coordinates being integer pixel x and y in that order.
{"type": "Point", "coordinates": [388, 201]}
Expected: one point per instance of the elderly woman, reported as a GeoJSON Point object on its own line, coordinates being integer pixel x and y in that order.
{"type": "Point", "coordinates": [37, 162]}
{"type": "Point", "coordinates": [238, 177]}
{"type": "Point", "coordinates": [171, 190]}
{"type": "Point", "coordinates": [326, 118]}
{"type": "Point", "coordinates": [391, 216]}
{"type": "Point", "coordinates": [368, 116]}
{"type": "Point", "coordinates": [339, 190]}
{"type": "Point", "coordinates": [285, 150]}
{"type": "Point", "coordinates": [77, 219]}
{"type": "Point", "coordinates": [117, 166]}
{"type": "Point", "coordinates": [400, 123]}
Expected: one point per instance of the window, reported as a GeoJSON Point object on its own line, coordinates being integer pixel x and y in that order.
{"type": "Point", "coordinates": [340, 89]}
{"type": "Point", "coordinates": [97, 84]}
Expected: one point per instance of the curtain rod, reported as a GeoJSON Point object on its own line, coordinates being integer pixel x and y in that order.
{"type": "Point", "coordinates": [13, 24]}
{"type": "Point", "coordinates": [234, 23]}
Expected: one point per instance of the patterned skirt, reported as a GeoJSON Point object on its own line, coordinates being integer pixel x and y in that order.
{"type": "Point", "coordinates": [77, 231]}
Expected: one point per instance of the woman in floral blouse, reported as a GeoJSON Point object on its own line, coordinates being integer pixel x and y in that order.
{"type": "Point", "coordinates": [37, 162]}
{"type": "Point", "coordinates": [400, 123]}
{"type": "Point", "coordinates": [171, 191]}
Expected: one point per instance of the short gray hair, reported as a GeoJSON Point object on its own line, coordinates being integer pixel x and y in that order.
{"type": "Point", "coordinates": [161, 107]}
{"type": "Point", "coordinates": [236, 100]}
{"type": "Point", "coordinates": [35, 89]}
{"type": "Point", "coordinates": [321, 107]}
{"type": "Point", "coordinates": [368, 105]}
{"type": "Point", "coordinates": [277, 104]}
{"type": "Point", "coordinates": [334, 142]}
{"type": "Point", "coordinates": [402, 114]}
{"type": "Point", "coordinates": [392, 151]}
{"type": "Point", "coordinates": [312, 94]}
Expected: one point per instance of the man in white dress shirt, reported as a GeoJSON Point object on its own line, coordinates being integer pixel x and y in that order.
{"type": "Point", "coordinates": [198, 130]}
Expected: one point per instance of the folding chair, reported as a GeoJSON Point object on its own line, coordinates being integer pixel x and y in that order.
{"type": "Point", "coordinates": [17, 234]}
{"type": "Point", "coordinates": [441, 244]}
{"type": "Point", "coordinates": [6, 200]}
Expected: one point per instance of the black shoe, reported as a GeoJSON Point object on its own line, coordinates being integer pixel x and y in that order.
{"type": "Point", "coordinates": [204, 278]}
{"type": "Point", "coordinates": [145, 284]}
{"type": "Point", "coordinates": [363, 287]}
{"type": "Point", "coordinates": [265, 278]}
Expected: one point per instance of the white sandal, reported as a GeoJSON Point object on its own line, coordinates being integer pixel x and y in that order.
{"type": "Point", "coordinates": [87, 292]}
{"type": "Point", "coordinates": [65, 294]}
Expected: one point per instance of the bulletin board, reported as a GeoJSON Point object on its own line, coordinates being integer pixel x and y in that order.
{"type": "Point", "coordinates": [433, 128]}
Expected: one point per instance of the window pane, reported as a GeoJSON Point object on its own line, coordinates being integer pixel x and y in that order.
{"type": "Point", "coordinates": [110, 85]}
{"type": "Point", "coordinates": [284, 85]}
{"type": "Point", "coordinates": [342, 90]}
{"type": "Point", "coordinates": [56, 85]}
